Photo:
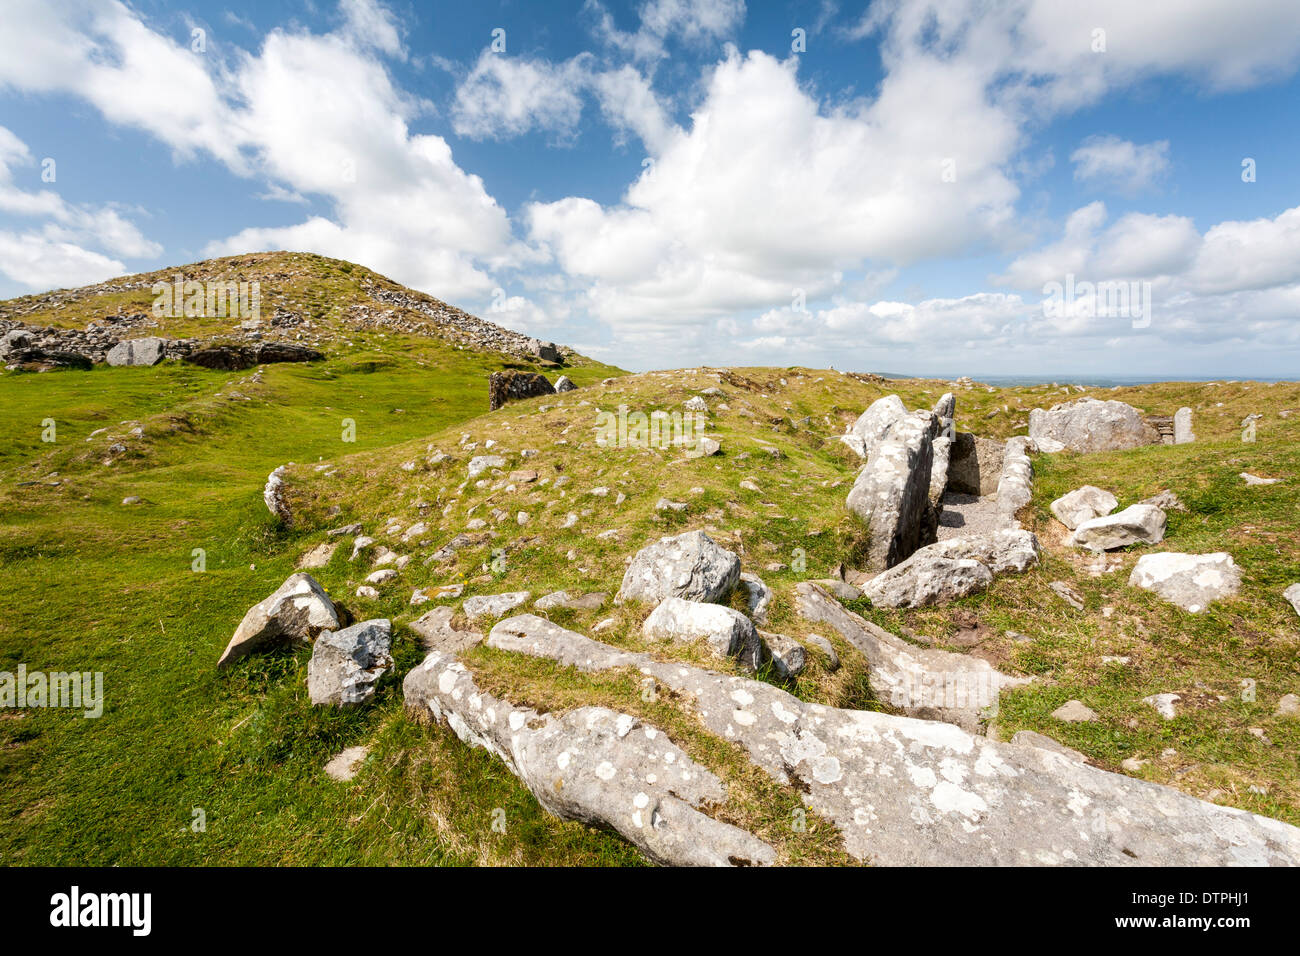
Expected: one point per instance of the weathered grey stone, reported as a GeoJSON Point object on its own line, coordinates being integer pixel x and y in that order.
{"type": "Point", "coordinates": [827, 648]}
{"type": "Point", "coordinates": [1136, 524]}
{"type": "Point", "coordinates": [318, 556]}
{"type": "Point", "coordinates": [1164, 704]}
{"type": "Point", "coordinates": [1089, 425]}
{"type": "Point", "coordinates": [592, 764]}
{"type": "Point", "coordinates": [876, 422]}
{"type": "Point", "coordinates": [942, 448]}
{"type": "Point", "coordinates": [346, 665]}
{"type": "Point", "coordinates": [788, 656]}
{"type": "Point", "coordinates": [437, 632]}
{"type": "Point", "coordinates": [759, 596]}
{"type": "Point", "coordinates": [1083, 504]}
{"type": "Point", "coordinates": [914, 792]}
{"type": "Point", "coordinates": [1067, 594]}
{"type": "Point", "coordinates": [727, 632]}
{"type": "Point", "coordinates": [688, 565]}
{"type": "Point", "coordinates": [513, 386]}
{"type": "Point", "coordinates": [564, 384]}
{"type": "Point", "coordinates": [953, 568]}
{"type": "Point", "coordinates": [1292, 594]}
{"type": "Point", "coordinates": [945, 407]}
{"type": "Point", "coordinates": [1183, 427]}
{"type": "Point", "coordinates": [146, 351]}
{"type": "Point", "coordinates": [1074, 712]}
{"type": "Point", "coordinates": [481, 463]}
{"type": "Point", "coordinates": [891, 492]}
{"type": "Point", "coordinates": [918, 681]}
{"type": "Point", "coordinates": [1192, 581]}
{"type": "Point", "coordinates": [1288, 705]}
{"type": "Point", "coordinates": [296, 611]}
{"type": "Point", "coordinates": [1028, 738]}
{"type": "Point", "coordinates": [1016, 483]}
{"type": "Point", "coordinates": [590, 601]}
{"type": "Point", "coordinates": [974, 465]}
{"type": "Point", "coordinates": [274, 498]}
{"type": "Point", "coordinates": [1166, 501]}
{"type": "Point", "coordinates": [493, 605]}
{"type": "Point", "coordinates": [344, 765]}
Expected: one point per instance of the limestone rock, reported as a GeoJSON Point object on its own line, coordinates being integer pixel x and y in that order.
{"type": "Point", "coordinates": [1083, 504]}
{"type": "Point", "coordinates": [512, 386]}
{"type": "Point", "coordinates": [759, 596]}
{"type": "Point", "coordinates": [345, 764]}
{"type": "Point", "coordinates": [688, 565]}
{"type": "Point", "coordinates": [974, 465]}
{"type": "Point", "coordinates": [1136, 524]}
{"type": "Point", "coordinates": [493, 605]}
{"type": "Point", "coordinates": [437, 632]}
{"type": "Point", "coordinates": [1016, 483]}
{"type": "Point", "coordinates": [594, 765]}
{"type": "Point", "coordinates": [1030, 739]}
{"type": "Point", "coordinates": [1090, 425]}
{"type": "Point", "coordinates": [1164, 704]}
{"type": "Point", "coordinates": [273, 496]}
{"type": "Point", "coordinates": [876, 422]}
{"type": "Point", "coordinates": [1074, 712]}
{"type": "Point", "coordinates": [481, 463]}
{"type": "Point", "coordinates": [891, 492]}
{"type": "Point", "coordinates": [788, 656]}
{"type": "Point", "coordinates": [564, 384]}
{"type": "Point", "coordinates": [905, 792]}
{"type": "Point", "coordinates": [297, 611]}
{"type": "Point", "coordinates": [1292, 594]}
{"type": "Point", "coordinates": [146, 351]}
{"type": "Point", "coordinates": [1192, 581]}
{"type": "Point", "coordinates": [1183, 427]}
{"type": "Point", "coordinates": [953, 568]}
{"type": "Point", "coordinates": [346, 665]}
{"type": "Point", "coordinates": [727, 632]}
{"type": "Point", "coordinates": [318, 556]}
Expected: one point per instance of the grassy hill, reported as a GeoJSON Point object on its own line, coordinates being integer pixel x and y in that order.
{"type": "Point", "coordinates": [89, 583]}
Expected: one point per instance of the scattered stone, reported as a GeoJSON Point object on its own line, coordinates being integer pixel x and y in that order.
{"type": "Point", "coordinates": [788, 656]}
{"type": "Point", "coordinates": [344, 765]}
{"type": "Point", "coordinates": [695, 404]}
{"type": "Point", "coordinates": [703, 447]}
{"type": "Point", "coordinates": [437, 632]}
{"type": "Point", "coordinates": [1074, 712]}
{"type": "Point", "coordinates": [296, 612]}
{"type": "Point", "coordinates": [1165, 501]}
{"type": "Point", "coordinates": [346, 665]}
{"type": "Point", "coordinates": [481, 463]}
{"type": "Point", "coordinates": [1144, 524]}
{"type": "Point", "coordinates": [1083, 504]}
{"type": "Point", "coordinates": [367, 592]}
{"type": "Point", "coordinates": [689, 566]}
{"type": "Point", "coordinates": [663, 504]}
{"type": "Point", "coordinates": [1090, 425]}
{"type": "Point", "coordinates": [131, 500]}
{"type": "Point", "coordinates": [591, 764]}
{"type": "Point", "coordinates": [1288, 706]}
{"type": "Point", "coordinates": [1192, 581]}
{"type": "Point", "coordinates": [318, 556]}
{"type": "Point", "coordinates": [273, 497]}
{"type": "Point", "coordinates": [1292, 594]}
{"type": "Point", "coordinates": [1163, 704]}
{"type": "Point", "coordinates": [592, 601]}
{"type": "Point", "coordinates": [381, 577]}
{"type": "Point", "coordinates": [493, 605]}
{"type": "Point", "coordinates": [1067, 594]}
{"type": "Point", "coordinates": [953, 568]}
{"type": "Point", "coordinates": [827, 649]}
{"type": "Point", "coordinates": [564, 384]}
{"type": "Point", "coordinates": [1252, 480]}
{"type": "Point", "coordinates": [907, 792]}
{"type": "Point", "coordinates": [727, 632]}
{"type": "Point", "coordinates": [759, 596]}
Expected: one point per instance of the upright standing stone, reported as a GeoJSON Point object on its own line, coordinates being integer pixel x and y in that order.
{"type": "Point", "coordinates": [892, 491]}
{"type": "Point", "coordinates": [1183, 427]}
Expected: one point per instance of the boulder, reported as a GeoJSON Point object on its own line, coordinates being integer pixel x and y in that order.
{"type": "Point", "coordinates": [1183, 427]}
{"type": "Point", "coordinates": [891, 492]}
{"type": "Point", "coordinates": [788, 656]}
{"type": "Point", "coordinates": [876, 422]}
{"type": "Point", "coordinates": [346, 665]}
{"type": "Point", "coordinates": [1090, 425]}
{"type": "Point", "coordinates": [146, 351]}
{"type": "Point", "coordinates": [1083, 504]}
{"type": "Point", "coordinates": [1292, 594]}
{"type": "Point", "coordinates": [437, 632]}
{"type": "Point", "coordinates": [564, 384]}
{"type": "Point", "coordinates": [493, 605]}
{"type": "Point", "coordinates": [274, 499]}
{"type": "Point", "coordinates": [759, 596]}
{"type": "Point", "coordinates": [974, 465]}
{"type": "Point", "coordinates": [727, 632]}
{"type": "Point", "coordinates": [953, 568]}
{"type": "Point", "coordinates": [591, 764]}
{"type": "Point", "coordinates": [1136, 524]}
{"type": "Point", "coordinates": [512, 386]}
{"type": "Point", "coordinates": [1074, 712]}
{"type": "Point", "coordinates": [546, 351]}
{"type": "Point", "coordinates": [591, 601]}
{"type": "Point", "coordinates": [908, 792]}
{"type": "Point", "coordinates": [689, 566]}
{"type": "Point", "coordinates": [1192, 581]}
{"type": "Point", "coordinates": [297, 611]}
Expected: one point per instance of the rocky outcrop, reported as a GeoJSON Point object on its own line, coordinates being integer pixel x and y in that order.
{"type": "Point", "coordinates": [689, 565]}
{"type": "Point", "coordinates": [47, 360]}
{"type": "Point", "coordinates": [953, 568]}
{"type": "Point", "coordinates": [512, 386]}
{"type": "Point", "coordinates": [1136, 524]}
{"type": "Point", "coordinates": [592, 764]}
{"type": "Point", "coordinates": [146, 351]}
{"type": "Point", "coordinates": [727, 632]}
{"type": "Point", "coordinates": [296, 612]}
{"type": "Point", "coordinates": [1089, 425]}
{"type": "Point", "coordinates": [974, 465]}
{"type": "Point", "coordinates": [346, 665]}
{"type": "Point", "coordinates": [237, 358]}
{"type": "Point", "coordinates": [904, 791]}
{"type": "Point", "coordinates": [1192, 581]}
{"type": "Point", "coordinates": [1083, 504]}
{"type": "Point", "coordinates": [891, 492]}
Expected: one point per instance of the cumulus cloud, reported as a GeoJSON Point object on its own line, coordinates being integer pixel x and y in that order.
{"type": "Point", "coordinates": [506, 96]}
{"type": "Point", "coordinates": [1109, 160]}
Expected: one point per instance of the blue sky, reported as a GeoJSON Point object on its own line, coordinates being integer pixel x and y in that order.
{"type": "Point", "coordinates": [669, 183]}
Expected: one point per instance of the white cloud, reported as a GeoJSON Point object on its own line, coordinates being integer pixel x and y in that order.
{"type": "Point", "coordinates": [695, 22]}
{"type": "Point", "coordinates": [505, 96]}
{"type": "Point", "coordinates": [1109, 160]}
